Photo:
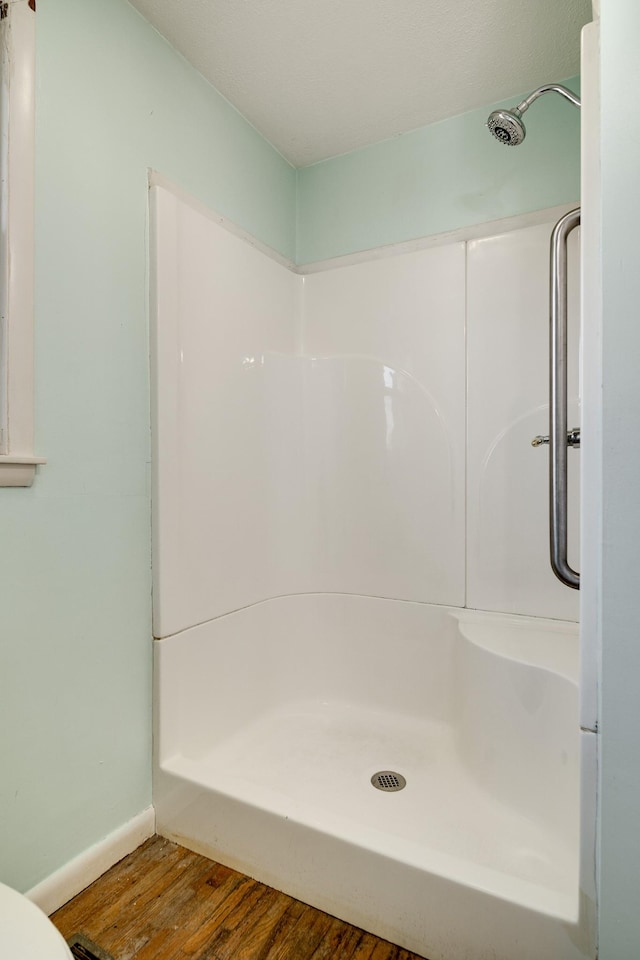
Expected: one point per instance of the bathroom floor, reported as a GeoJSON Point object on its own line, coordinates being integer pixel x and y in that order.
{"type": "Point", "coordinates": [164, 902]}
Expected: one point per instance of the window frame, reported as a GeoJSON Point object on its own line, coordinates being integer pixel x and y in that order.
{"type": "Point", "coordinates": [17, 274]}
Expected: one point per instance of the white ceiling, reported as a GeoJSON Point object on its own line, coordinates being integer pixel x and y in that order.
{"type": "Point", "coordinates": [322, 77]}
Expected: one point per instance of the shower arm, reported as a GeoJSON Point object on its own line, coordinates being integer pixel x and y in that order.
{"type": "Point", "coordinates": [548, 88]}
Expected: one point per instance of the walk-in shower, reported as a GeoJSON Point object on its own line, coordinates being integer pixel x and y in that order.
{"type": "Point", "coordinates": [507, 126]}
{"type": "Point", "coordinates": [351, 582]}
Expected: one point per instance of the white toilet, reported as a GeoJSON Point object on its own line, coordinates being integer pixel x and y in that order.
{"type": "Point", "coordinates": [26, 933]}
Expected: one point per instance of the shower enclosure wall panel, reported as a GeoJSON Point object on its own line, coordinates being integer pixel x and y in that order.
{"type": "Point", "coordinates": [508, 565]}
{"type": "Point", "coordinates": [309, 445]}
{"type": "Point", "coordinates": [386, 433]}
{"type": "Point", "coordinates": [337, 469]}
{"type": "Point", "coordinates": [228, 527]}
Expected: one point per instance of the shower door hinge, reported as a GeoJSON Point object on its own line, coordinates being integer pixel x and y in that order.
{"type": "Point", "coordinates": [4, 11]}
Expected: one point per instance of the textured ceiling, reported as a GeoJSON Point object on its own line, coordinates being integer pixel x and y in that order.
{"type": "Point", "coordinates": [322, 77]}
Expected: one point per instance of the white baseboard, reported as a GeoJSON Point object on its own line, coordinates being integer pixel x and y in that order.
{"type": "Point", "coordinates": [74, 876]}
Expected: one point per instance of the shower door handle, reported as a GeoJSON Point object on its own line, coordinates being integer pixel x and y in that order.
{"type": "Point", "coordinates": [558, 502]}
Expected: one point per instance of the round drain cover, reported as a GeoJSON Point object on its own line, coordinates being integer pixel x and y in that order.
{"type": "Point", "coordinates": [389, 781]}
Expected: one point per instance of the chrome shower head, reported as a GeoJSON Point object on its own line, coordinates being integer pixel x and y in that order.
{"type": "Point", "coordinates": [507, 127]}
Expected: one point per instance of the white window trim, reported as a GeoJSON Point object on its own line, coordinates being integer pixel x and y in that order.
{"type": "Point", "coordinates": [17, 43]}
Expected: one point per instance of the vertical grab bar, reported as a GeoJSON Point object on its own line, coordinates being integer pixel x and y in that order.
{"type": "Point", "coordinates": [558, 400]}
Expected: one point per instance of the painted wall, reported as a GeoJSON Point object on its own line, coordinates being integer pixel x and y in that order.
{"type": "Point", "coordinates": [620, 730]}
{"type": "Point", "coordinates": [112, 100]}
{"type": "Point", "coordinates": [441, 177]}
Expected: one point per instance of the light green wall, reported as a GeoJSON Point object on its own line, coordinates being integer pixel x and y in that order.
{"type": "Point", "coordinates": [442, 177]}
{"type": "Point", "coordinates": [619, 793]}
{"type": "Point", "coordinates": [112, 100]}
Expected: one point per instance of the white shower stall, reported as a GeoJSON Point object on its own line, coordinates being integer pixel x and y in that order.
{"type": "Point", "coordinates": [351, 576]}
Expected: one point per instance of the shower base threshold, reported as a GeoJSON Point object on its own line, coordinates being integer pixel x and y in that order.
{"type": "Point", "coordinates": [271, 723]}
{"type": "Point", "coordinates": [288, 799]}
{"type": "Point", "coordinates": [312, 764]}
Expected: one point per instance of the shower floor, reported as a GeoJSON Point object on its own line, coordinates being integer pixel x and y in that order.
{"type": "Point", "coordinates": [312, 763]}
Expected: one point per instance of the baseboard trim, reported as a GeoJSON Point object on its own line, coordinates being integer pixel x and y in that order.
{"type": "Point", "coordinates": [54, 891]}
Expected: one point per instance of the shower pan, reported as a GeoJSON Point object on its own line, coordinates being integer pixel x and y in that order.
{"type": "Point", "coordinates": [350, 580]}
{"type": "Point", "coordinates": [284, 711]}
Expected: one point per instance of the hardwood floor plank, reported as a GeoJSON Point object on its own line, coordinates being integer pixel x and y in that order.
{"type": "Point", "coordinates": [164, 902]}
{"type": "Point", "coordinates": [384, 950]}
{"type": "Point", "coordinates": [224, 918]}
{"type": "Point", "coordinates": [196, 926]}
{"type": "Point", "coordinates": [340, 940]}
{"type": "Point", "coordinates": [366, 947]}
{"type": "Point", "coordinates": [279, 932]}
{"type": "Point", "coordinates": [105, 887]}
{"type": "Point", "coordinates": [158, 913]}
{"type": "Point", "coordinates": [253, 930]}
{"type": "Point", "coordinates": [304, 936]}
{"type": "Point", "coordinates": [113, 894]}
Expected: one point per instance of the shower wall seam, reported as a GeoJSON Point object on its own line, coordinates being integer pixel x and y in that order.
{"type": "Point", "coordinates": [466, 420]}
{"type": "Point", "coordinates": [157, 638]}
{"type": "Point", "coordinates": [465, 234]}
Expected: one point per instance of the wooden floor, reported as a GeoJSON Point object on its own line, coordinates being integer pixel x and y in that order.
{"type": "Point", "coordinates": [163, 902]}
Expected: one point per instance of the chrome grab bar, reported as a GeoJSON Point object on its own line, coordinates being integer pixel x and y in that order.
{"type": "Point", "coordinates": [558, 434]}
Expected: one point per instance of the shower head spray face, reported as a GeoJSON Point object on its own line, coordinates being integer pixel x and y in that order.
{"type": "Point", "coordinates": [507, 127]}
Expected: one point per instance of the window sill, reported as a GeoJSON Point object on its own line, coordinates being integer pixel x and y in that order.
{"type": "Point", "coordinates": [16, 471]}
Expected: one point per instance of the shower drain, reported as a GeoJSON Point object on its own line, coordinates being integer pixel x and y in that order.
{"type": "Point", "coordinates": [389, 781]}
